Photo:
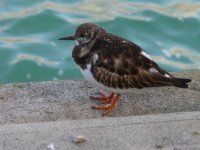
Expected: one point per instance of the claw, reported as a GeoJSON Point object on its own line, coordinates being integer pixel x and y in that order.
{"type": "Point", "coordinates": [110, 104]}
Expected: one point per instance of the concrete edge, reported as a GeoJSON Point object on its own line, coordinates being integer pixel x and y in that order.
{"type": "Point", "coordinates": [98, 123]}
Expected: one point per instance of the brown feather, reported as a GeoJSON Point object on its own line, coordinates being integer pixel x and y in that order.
{"type": "Point", "coordinates": [119, 63]}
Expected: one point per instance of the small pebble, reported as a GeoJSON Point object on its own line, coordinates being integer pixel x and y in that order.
{"type": "Point", "coordinates": [158, 147]}
{"type": "Point", "coordinates": [79, 139]}
{"type": "Point", "coordinates": [195, 133]}
{"type": "Point", "coordinates": [51, 146]}
{"type": "Point", "coordinates": [1, 97]}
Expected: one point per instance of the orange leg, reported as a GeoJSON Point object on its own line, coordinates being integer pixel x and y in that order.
{"type": "Point", "coordinates": [108, 107]}
{"type": "Point", "coordinates": [103, 97]}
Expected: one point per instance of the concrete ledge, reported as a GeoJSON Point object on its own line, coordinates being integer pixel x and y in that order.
{"type": "Point", "coordinates": [46, 115]}
{"type": "Point", "coordinates": [62, 100]}
{"type": "Point", "coordinates": [180, 131]}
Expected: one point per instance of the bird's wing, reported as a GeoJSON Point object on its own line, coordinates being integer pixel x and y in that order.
{"type": "Point", "coordinates": [127, 66]}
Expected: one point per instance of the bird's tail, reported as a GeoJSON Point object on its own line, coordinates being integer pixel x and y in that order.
{"type": "Point", "coordinates": [181, 82]}
{"type": "Point", "coordinates": [161, 80]}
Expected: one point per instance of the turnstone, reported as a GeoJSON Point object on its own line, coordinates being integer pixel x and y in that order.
{"type": "Point", "coordinates": [116, 64]}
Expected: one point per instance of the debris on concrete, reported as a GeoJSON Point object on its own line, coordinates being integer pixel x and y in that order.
{"type": "Point", "coordinates": [79, 139]}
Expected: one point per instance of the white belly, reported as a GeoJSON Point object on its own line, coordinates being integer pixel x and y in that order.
{"type": "Point", "coordinates": [90, 78]}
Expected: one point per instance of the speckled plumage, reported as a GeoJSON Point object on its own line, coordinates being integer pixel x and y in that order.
{"type": "Point", "coordinates": [116, 63]}
{"type": "Point", "coordinates": [121, 63]}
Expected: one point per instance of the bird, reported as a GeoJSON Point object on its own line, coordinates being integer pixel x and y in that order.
{"type": "Point", "coordinates": [116, 65]}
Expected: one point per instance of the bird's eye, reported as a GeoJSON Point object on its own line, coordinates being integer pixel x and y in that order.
{"type": "Point", "coordinates": [82, 35]}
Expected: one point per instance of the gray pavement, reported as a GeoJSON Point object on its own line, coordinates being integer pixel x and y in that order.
{"type": "Point", "coordinates": [47, 115]}
{"type": "Point", "coordinates": [62, 100]}
{"type": "Point", "coordinates": [174, 131]}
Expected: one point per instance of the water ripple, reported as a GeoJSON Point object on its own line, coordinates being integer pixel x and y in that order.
{"type": "Point", "coordinates": [98, 10]}
{"type": "Point", "coordinates": [10, 40]}
{"type": "Point", "coordinates": [176, 64]}
{"type": "Point", "coordinates": [30, 29]}
{"type": "Point", "coordinates": [38, 59]}
{"type": "Point", "coordinates": [180, 52]}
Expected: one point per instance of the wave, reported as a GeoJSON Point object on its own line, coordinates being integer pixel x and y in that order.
{"type": "Point", "coordinates": [104, 10]}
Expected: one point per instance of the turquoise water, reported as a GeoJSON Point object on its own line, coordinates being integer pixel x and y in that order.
{"type": "Point", "coordinates": [29, 50]}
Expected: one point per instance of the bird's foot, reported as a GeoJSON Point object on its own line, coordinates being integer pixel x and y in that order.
{"type": "Point", "coordinates": [103, 97]}
{"type": "Point", "coordinates": [108, 107]}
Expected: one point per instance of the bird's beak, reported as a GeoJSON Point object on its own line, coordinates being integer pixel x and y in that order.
{"type": "Point", "coordinates": [71, 37]}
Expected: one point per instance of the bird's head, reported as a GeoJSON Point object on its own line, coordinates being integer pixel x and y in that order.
{"type": "Point", "coordinates": [85, 37]}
